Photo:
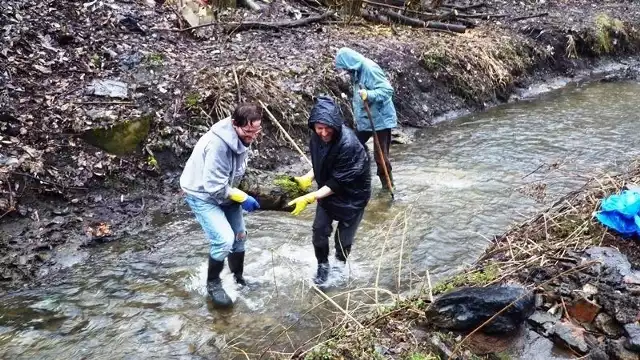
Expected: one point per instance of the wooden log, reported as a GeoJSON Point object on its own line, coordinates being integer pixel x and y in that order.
{"type": "Point", "coordinates": [249, 4]}
{"type": "Point", "coordinates": [250, 25]}
{"type": "Point", "coordinates": [405, 20]}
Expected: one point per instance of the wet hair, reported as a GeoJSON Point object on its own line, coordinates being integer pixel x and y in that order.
{"type": "Point", "coordinates": [246, 113]}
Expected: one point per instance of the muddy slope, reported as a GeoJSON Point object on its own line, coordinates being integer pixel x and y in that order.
{"type": "Point", "coordinates": [71, 70]}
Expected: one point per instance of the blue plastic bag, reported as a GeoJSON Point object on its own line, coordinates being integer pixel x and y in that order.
{"type": "Point", "coordinates": [621, 212]}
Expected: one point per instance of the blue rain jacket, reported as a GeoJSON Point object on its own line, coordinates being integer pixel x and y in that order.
{"type": "Point", "coordinates": [367, 75]}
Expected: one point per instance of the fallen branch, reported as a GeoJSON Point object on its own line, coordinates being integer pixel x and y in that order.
{"type": "Point", "coordinates": [425, 24]}
{"type": "Point", "coordinates": [273, 118]}
{"type": "Point", "coordinates": [479, 16]}
{"type": "Point", "coordinates": [464, 8]}
{"type": "Point", "coordinates": [235, 27]}
{"type": "Point", "coordinates": [529, 16]}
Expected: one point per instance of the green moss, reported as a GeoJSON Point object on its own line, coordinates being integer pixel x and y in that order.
{"type": "Point", "coordinates": [422, 356]}
{"type": "Point", "coordinates": [289, 186]}
{"type": "Point", "coordinates": [474, 278]}
{"type": "Point", "coordinates": [192, 100]}
{"type": "Point", "coordinates": [122, 138]}
{"type": "Point", "coordinates": [154, 59]}
{"type": "Point", "coordinates": [605, 27]}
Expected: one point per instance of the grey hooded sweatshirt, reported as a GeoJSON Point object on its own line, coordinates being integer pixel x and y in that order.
{"type": "Point", "coordinates": [217, 164]}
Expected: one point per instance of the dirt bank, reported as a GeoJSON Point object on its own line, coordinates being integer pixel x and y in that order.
{"type": "Point", "coordinates": [65, 181]}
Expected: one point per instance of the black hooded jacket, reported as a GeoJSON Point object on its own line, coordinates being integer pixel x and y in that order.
{"type": "Point", "coordinates": [342, 164]}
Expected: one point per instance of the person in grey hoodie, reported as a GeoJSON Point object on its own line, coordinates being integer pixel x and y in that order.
{"type": "Point", "coordinates": [209, 180]}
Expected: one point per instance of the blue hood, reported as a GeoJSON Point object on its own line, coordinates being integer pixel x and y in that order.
{"type": "Point", "coordinates": [349, 59]}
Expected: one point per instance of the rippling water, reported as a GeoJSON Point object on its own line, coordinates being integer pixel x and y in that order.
{"type": "Point", "coordinates": [456, 185]}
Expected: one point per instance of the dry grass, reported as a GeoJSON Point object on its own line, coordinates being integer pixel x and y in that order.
{"type": "Point", "coordinates": [568, 225]}
{"type": "Point", "coordinates": [478, 64]}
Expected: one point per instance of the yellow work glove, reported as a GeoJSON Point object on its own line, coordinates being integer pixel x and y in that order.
{"type": "Point", "coordinates": [302, 202]}
{"type": "Point", "coordinates": [363, 94]}
{"type": "Point", "coordinates": [304, 182]}
{"type": "Point", "coordinates": [237, 195]}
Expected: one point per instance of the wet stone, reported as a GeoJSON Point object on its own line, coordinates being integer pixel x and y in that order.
{"type": "Point", "coordinates": [608, 325]}
{"type": "Point", "coordinates": [633, 340]}
{"type": "Point", "coordinates": [617, 351]}
{"type": "Point", "coordinates": [544, 321]}
{"type": "Point", "coordinates": [572, 336]}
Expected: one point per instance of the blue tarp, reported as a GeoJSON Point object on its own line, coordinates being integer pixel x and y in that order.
{"type": "Point", "coordinates": [621, 212]}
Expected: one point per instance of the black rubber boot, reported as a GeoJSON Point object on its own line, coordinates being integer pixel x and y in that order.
{"type": "Point", "coordinates": [236, 265]}
{"type": "Point", "coordinates": [322, 255]}
{"type": "Point", "coordinates": [214, 284]}
{"type": "Point", "coordinates": [322, 274]}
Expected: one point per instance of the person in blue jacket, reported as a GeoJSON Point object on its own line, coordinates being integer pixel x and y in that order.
{"type": "Point", "coordinates": [342, 170]}
{"type": "Point", "coordinates": [370, 84]}
{"type": "Point", "coordinates": [209, 180]}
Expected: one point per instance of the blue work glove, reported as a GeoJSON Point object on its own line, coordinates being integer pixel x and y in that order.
{"type": "Point", "coordinates": [250, 204]}
{"type": "Point", "coordinates": [247, 201]}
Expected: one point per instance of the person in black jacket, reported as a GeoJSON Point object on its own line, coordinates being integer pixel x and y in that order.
{"type": "Point", "coordinates": [341, 168]}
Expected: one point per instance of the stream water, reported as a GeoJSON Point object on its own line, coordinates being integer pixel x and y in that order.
{"type": "Point", "coordinates": [457, 184]}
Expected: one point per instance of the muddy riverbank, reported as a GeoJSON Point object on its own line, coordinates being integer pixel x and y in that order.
{"type": "Point", "coordinates": [59, 190]}
{"type": "Point", "coordinates": [583, 278]}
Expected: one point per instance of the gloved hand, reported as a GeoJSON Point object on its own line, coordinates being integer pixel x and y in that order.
{"type": "Point", "coordinates": [304, 182]}
{"type": "Point", "coordinates": [247, 202]}
{"type": "Point", "coordinates": [302, 202]}
{"type": "Point", "coordinates": [363, 94]}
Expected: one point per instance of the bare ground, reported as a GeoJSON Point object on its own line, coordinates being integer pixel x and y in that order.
{"type": "Point", "coordinates": [58, 188]}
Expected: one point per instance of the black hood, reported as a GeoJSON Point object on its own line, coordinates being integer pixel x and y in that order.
{"type": "Point", "coordinates": [325, 111]}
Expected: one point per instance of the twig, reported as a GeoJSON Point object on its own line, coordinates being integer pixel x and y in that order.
{"type": "Point", "coordinates": [337, 306]}
{"type": "Point", "coordinates": [286, 134]}
{"type": "Point", "coordinates": [235, 76]}
{"type": "Point", "coordinates": [538, 168]}
{"type": "Point", "coordinates": [518, 18]}
{"type": "Point", "coordinates": [103, 102]}
{"type": "Point", "coordinates": [430, 287]}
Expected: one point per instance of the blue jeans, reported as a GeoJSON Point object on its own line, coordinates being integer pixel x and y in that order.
{"type": "Point", "coordinates": [223, 225]}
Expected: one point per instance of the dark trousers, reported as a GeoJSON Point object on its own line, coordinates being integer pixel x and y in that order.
{"type": "Point", "coordinates": [384, 137]}
{"type": "Point", "coordinates": [344, 236]}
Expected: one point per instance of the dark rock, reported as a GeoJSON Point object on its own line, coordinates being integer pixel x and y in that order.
{"type": "Point", "coordinates": [621, 306]}
{"type": "Point", "coordinates": [633, 333]}
{"type": "Point", "coordinates": [544, 321]}
{"type": "Point", "coordinates": [572, 336]}
{"type": "Point", "coordinates": [608, 325]}
{"type": "Point", "coordinates": [613, 262]}
{"type": "Point", "coordinates": [617, 351]}
{"type": "Point", "coordinates": [468, 308]}
{"type": "Point", "coordinates": [533, 346]}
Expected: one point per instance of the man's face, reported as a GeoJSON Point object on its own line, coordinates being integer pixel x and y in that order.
{"type": "Point", "coordinates": [249, 132]}
{"type": "Point", "coordinates": [325, 132]}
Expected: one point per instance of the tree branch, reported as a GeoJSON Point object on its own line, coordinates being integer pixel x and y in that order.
{"type": "Point", "coordinates": [235, 27]}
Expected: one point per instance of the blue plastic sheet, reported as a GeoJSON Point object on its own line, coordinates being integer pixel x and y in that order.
{"type": "Point", "coordinates": [621, 212]}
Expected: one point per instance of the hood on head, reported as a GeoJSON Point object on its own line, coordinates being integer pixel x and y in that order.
{"type": "Point", "coordinates": [349, 59]}
{"type": "Point", "coordinates": [225, 131]}
{"type": "Point", "coordinates": [325, 111]}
